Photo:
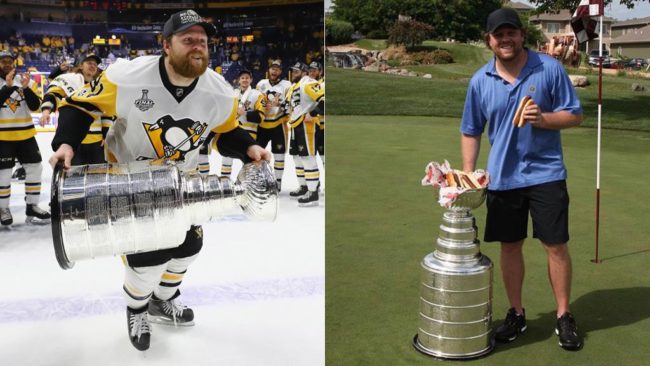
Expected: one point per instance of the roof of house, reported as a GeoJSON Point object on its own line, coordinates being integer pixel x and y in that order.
{"type": "Point", "coordinates": [519, 6]}
{"type": "Point", "coordinates": [642, 35]}
{"type": "Point", "coordinates": [562, 16]}
{"type": "Point", "coordinates": [632, 22]}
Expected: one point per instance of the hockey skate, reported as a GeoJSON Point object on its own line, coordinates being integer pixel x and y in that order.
{"type": "Point", "coordinates": [309, 199]}
{"type": "Point", "coordinates": [36, 215]}
{"type": "Point", "coordinates": [299, 192]}
{"type": "Point", "coordinates": [5, 217]}
{"type": "Point", "coordinates": [170, 312]}
{"type": "Point", "coordinates": [139, 329]}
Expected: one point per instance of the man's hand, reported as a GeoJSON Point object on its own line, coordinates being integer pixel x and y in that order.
{"type": "Point", "coordinates": [257, 153]}
{"type": "Point", "coordinates": [241, 111]}
{"type": "Point", "coordinates": [9, 79]}
{"type": "Point", "coordinates": [308, 117]}
{"type": "Point", "coordinates": [63, 153]}
{"type": "Point", "coordinates": [45, 117]}
{"type": "Point", "coordinates": [533, 114]}
{"type": "Point", "coordinates": [24, 79]}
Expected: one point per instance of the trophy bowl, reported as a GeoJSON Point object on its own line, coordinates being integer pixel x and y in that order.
{"type": "Point", "coordinates": [468, 200]}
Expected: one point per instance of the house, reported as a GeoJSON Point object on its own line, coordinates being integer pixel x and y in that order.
{"type": "Point", "coordinates": [631, 38]}
{"type": "Point", "coordinates": [558, 25]}
{"type": "Point", "coordinates": [521, 8]}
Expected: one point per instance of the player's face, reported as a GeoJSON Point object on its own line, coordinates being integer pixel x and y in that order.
{"type": "Point", "coordinates": [245, 81]}
{"type": "Point", "coordinates": [314, 74]}
{"type": "Point", "coordinates": [507, 43]}
{"type": "Point", "coordinates": [274, 73]}
{"type": "Point", "coordinates": [296, 75]}
{"type": "Point", "coordinates": [89, 69]}
{"type": "Point", "coordinates": [6, 65]}
{"type": "Point", "coordinates": [188, 52]}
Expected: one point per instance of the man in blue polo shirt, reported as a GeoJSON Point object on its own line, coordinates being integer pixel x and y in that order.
{"type": "Point", "coordinates": [525, 163]}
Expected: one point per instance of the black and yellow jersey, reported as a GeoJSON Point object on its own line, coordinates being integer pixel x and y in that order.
{"type": "Point", "coordinates": [304, 97]}
{"type": "Point", "coordinates": [254, 104]}
{"type": "Point", "coordinates": [16, 123]}
{"type": "Point", "coordinates": [276, 98]}
{"type": "Point", "coordinates": [153, 118]}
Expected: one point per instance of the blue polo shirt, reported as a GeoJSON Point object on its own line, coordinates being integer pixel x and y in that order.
{"type": "Point", "coordinates": [520, 157]}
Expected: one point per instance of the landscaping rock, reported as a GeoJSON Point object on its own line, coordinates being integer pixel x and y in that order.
{"type": "Point", "coordinates": [579, 81]}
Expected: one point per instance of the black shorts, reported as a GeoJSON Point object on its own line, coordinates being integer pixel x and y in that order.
{"type": "Point", "coordinates": [192, 245]}
{"type": "Point", "coordinates": [276, 135]}
{"type": "Point", "coordinates": [89, 154]}
{"type": "Point", "coordinates": [26, 151]}
{"type": "Point", "coordinates": [548, 204]}
{"type": "Point", "coordinates": [320, 141]}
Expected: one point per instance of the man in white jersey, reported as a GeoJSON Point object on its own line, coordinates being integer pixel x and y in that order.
{"type": "Point", "coordinates": [274, 128]}
{"type": "Point", "coordinates": [91, 150]}
{"type": "Point", "coordinates": [17, 99]}
{"type": "Point", "coordinates": [164, 106]}
{"type": "Point", "coordinates": [252, 106]}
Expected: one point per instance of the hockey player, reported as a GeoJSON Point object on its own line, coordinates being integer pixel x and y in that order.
{"type": "Point", "coordinates": [306, 100]}
{"type": "Point", "coordinates": [252, 106]}
{"type": "Point", "coordinates": [274, 128]}
{"type": "Point", "coordinates": [165, 106]}
{"type": "Point", "coordinates": [315, 73]}
{"type": "Point", "coordinates": [17, 99]}
{"type": "Point", "coordinates": [91, 149]}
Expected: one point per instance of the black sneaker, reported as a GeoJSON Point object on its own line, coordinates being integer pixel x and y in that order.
{"type": "Point", "coordinates": [299, 192]}
{"type": "Point", "coordinates": [137, 323]}
{"type": "Point", "coordinates": [170, 312]}
{"type": "Point", "coordinates": [36, 215]}
{"type": "Point", "coordinates": [567, 330]}
{"type": "Point", "coordinates": [514, 325]}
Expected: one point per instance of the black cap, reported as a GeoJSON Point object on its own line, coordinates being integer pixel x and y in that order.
{"type": "Point", "coordinates": [315, 65]}
{"type": "Point", "coordinates": [501, 17]}
{"type": "Point", "coordinates": [276, 63]}
{"type": "Point", "coordinates": [297, 66]}
{"type": "Point", "coordinates": [185, 19]}
{"type": "Point", "coordinates": [4, 54]}
{"type": "Point", "coordinates": [245, 71]}
{"type": "Point", "coordinates": [92, 57]}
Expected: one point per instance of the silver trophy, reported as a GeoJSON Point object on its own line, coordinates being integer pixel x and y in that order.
{"type": "Point", "coordinates": [456, 288]}
{"type": "Point", "coordinates": [114, 209]}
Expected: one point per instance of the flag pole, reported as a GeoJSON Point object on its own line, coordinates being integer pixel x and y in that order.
{"type": "Point", "coordinates": [600, 110]}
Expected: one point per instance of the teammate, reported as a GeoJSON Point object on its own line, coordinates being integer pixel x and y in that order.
{"type": "Point", "coordinates": [252, 106]}
{"type": "Point", "coordinates": [17, 99]}
{"type": "Point", "coordinates": [274, 128]}
{"type": "Point", "coordinates": [164, 106]}
{"type": "Point", "coordinates": [315, 73]}
{"type": "Point", "coordinates": [306, 100]}
{"type": "Point", "coordinates": [91, 150]}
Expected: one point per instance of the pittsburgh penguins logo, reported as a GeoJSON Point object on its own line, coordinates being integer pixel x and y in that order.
{"type": "Point", "coordinates": [12, 104]}
{"type": "Point", "coordinates": [172, 139]}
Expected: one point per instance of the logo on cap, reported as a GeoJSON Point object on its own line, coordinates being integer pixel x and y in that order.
{"type": "Point", "coordinates": [190, 16]}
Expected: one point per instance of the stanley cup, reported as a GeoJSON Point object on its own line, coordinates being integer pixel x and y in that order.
{"type": "Point", "coordinates": [456, 288]}
{"type": "Point", "coordinates": [114, 209]}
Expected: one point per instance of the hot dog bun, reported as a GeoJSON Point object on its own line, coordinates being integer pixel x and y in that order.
{"type": "Point", "coordinates": [519, 113]}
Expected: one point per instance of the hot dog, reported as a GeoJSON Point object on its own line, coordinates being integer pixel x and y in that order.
{"type": "Point", "coordinates": [519, 120]}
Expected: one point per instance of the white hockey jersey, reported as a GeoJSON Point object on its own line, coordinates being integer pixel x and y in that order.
{"type": "Point", "coordinates": [65, 85]}
{"type": "Point", "coordinates": [252, 100]}
{"type": "Point", "coordinates": [305, 96]}
{"type": "Point", "coordinates": [16, 122]}
{"type": "Point", "coordinates": [276, 98]}
{"type": "Point", "coordinates": [153, 118]}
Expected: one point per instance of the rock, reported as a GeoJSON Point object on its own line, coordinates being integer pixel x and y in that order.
{"type": "Point", "coordinates": [412, 73]}
{"type": "Point", "coordinates": [579, 81]}
{"type": "Point", "coordinates": [638, 87]}
{"type": "Point", "coordinates": [427, 76]}
{"type": "Point", "coordinates": [372, 68]}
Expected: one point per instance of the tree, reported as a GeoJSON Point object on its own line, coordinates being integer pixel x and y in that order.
{"type": "Point", "coordinates": [409, 33]}
{"type": "Point", "coordinates": [554, 6]}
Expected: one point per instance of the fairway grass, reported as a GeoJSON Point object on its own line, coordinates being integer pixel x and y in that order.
{"type": "Point", "coordinates": [380, 223]}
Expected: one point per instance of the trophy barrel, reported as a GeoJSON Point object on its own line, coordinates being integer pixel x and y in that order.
{"type": "Point", "coordinates": [455, 318]}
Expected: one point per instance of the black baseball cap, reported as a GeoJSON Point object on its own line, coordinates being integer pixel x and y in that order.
{"type": "Point", "coordinates": [245, 71]}
{"type": "Point", "coordinates": [185, 19]}
{"type": "Point", "coordinates": [501, 17]}
{"type": "Point", "coordinates": [315, 65]}
{"type": "Point", "coordinates": [276, 63]}
{"type": "Point", "coordinates": [92, 57]}
{"type": "Point", "coordinates": [4, 54]}
{"type": "Point", "coordinates": [297, 66]}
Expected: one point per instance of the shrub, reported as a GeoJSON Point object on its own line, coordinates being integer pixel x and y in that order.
{"type": "Point", "coordinates": [442, 57]}
{"type": "Point", "coordinates": [409, 33]}
{"type": "Point", "coordinates": [338, 31]}
{"type": "Point", "coordinates": [377, 34]}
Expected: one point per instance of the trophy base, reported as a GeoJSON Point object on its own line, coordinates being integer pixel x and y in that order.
{"type": "Point", "coordinates": [57, 236]}
{"type": "Point", "coordinates": [420, 348]}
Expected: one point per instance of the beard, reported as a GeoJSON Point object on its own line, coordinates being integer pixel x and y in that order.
{"type": "Point", "coordinates": [184, 66]}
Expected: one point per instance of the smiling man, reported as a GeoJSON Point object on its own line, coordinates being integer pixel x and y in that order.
{"type": "Point", "coordinates": [525, 163]}
{"type": "Point", "coordinates": [164, 107]}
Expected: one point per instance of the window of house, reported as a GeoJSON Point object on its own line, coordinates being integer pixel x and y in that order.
{"type": "Point", "coordinates": [553, 28]}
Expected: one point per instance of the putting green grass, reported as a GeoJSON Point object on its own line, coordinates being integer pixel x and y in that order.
{"type": "Point", "coordinates": [380, 223]}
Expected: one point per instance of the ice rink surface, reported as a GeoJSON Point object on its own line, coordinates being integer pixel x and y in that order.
{"type": "Point", "coordinates": [257, 291]}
